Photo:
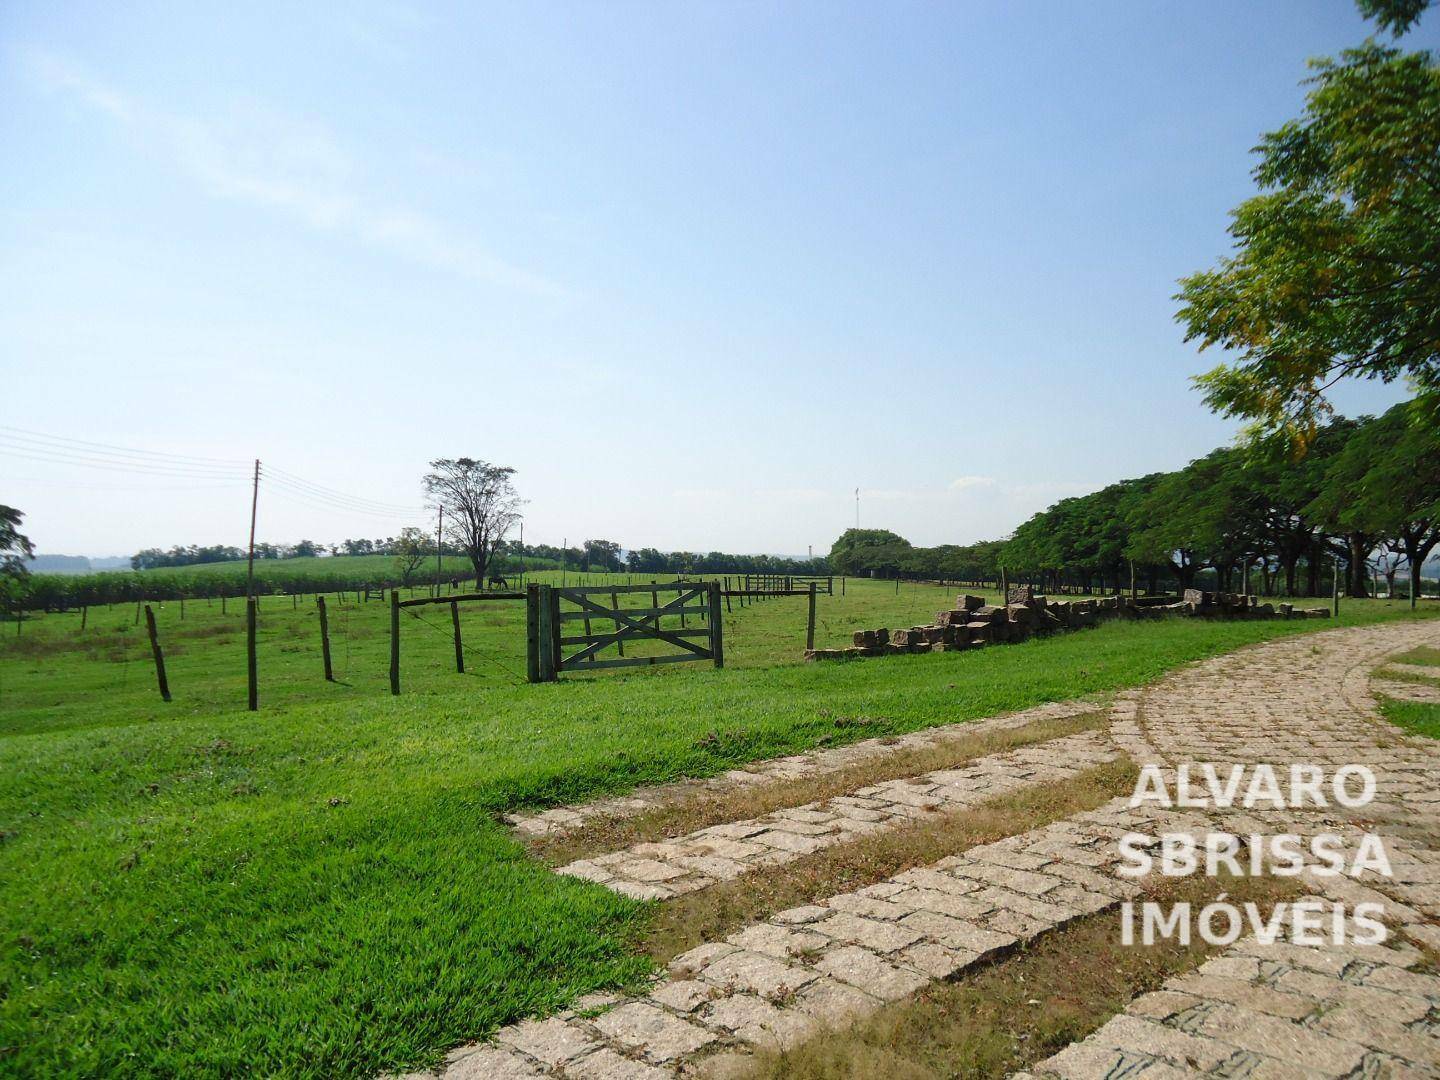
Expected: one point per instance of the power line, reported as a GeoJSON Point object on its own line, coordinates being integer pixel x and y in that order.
{"type": "Point", "coordinates": [321, 491]}
{"type": "Point", "coordinates": [62, 440]}
{"type": "Point", "coordinates": [58, 457]}
{"type": "Point", "coordinates": [301, 498]}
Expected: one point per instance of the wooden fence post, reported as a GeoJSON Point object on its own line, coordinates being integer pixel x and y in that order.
{"type": "Point", "coordinates": [555, 626]}
{"type": "Point", "coordinates": [455, 621]}
{"type": "Point", "coordinates": [394, 642]}
{"type": "Point", "coordinates": [1335, 590]}
{"type": "Point", "coordinates": [325, 638]}
{"type": "Point", "coordinates": [251, 674]}
{"type": "Point", "coordinates": [717, 626]}
{"type": "Point", "coordinates": [157, 654]}
{"type": "Point", "coordinates": [84, 616]}
{"type": "Point", "coordinates": [810, 620]}
{"type": "Point", "coordinates": [614, 603]}
{"type": "Point", "coordinates": [532, 633]}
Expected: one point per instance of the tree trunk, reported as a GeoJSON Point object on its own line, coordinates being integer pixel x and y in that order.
{"type": "Point", "coordinates": [1288, 565]}
{"type": "Point", "coordinates": [1415, 555]}
{"type": "Point", "coordinates": [1358, 544]}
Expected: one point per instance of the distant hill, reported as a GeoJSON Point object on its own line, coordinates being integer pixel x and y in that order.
{"type": "Point", "coordinates": [76, 564]}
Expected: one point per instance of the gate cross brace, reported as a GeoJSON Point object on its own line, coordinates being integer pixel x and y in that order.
{"type": "Point", "coordinates": [633, 628]}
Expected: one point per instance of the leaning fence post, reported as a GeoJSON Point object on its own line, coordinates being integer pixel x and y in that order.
{"type": "Point", "coordinates": [455, 619]}
{"type": "Point", "coordinates": [394, 642]}
{"type": "Point", "coordinates": [717, 636]}
{"type": "Point", "coordinates": [155, 652]}
{"type": "Point", "coordinates": [810, 621]}
{"type": "Point", "coordinates": [325, 638]}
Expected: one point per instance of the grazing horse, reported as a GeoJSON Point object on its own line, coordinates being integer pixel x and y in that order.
{"type": "Point", "coordinates": [498, 581]}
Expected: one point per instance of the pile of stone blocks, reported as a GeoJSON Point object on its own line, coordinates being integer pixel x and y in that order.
{"type": "Point", "coordinates": [973, 623]}
{"type": "Point", "coordinates": [1225, 605]}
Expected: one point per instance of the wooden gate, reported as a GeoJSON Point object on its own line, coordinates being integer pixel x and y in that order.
{"type": "Point", "coordinates": [560, 619]}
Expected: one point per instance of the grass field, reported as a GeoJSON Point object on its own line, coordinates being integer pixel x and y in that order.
{"type": "Point", "coordinates": [320, 888]}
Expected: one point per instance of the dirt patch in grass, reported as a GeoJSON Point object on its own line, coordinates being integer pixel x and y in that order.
{"type": "Point", "coordinates": [1423, 654]}
{"type": "Point", "coordinates": [1008, 1015]}
{"type": "Point", "coordinates": [706, 808]}
{"type": "Point", "coordinates": [713, 913]}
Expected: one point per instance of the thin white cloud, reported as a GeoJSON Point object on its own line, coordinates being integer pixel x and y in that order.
{"type": "Point", "coordinates": [965, 483]}
{"type": "Point", "coordinates": [263, 158]}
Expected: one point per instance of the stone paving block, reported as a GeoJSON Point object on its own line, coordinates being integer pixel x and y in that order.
{"type": "Point", "coordinates": [700, 956]}
{"type": "Point", "coordinates": [1262, 999]}
{"type": "Point", "coordinates": [488, 1063]}
{"type": "Point", "coordinates": [866, 971]}
{"type": "Point", "coordinates": [806, 913]}
{"type": "Point", "coordinates": [937, 961]}
{"type": "Point", "coordinates": [761, 975]}
{"type": "Point", "coordinates": [874, 934]}
{"type": "Point", "coordinates": [781, 942]}
{"type": "Point", "coordinates": [552, 1041]}
{"type": "Point", "coordinates": [1415, 1044]}
{"type": "Point", "coordinates": [659, 1035]}
{"type": "Point", "coordinates": [1281, 1039]}
{"type": "Point", "coordinates": [791, 842]}
{"type": "Point", "coordinates": [869, 906]}
{"type": "Point", "coordinates": [683, 995]}
{"type": "Point", "coordinates": [1091, 1061]}
{"type": "Point", "coordinates": [834, 1003]}
{"type": "Point", "coordinates": [759, 1022]}
{"type": "Point", "coordinates": [958, 906]}
{"type": "Point", "coordinates": [1132, 1033]}
{"type": "Point", "coordinates": [606, 1064]}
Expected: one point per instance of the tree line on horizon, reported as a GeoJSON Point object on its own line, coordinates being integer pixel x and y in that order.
{"type": "Point", "coordinates": [1364, 497]}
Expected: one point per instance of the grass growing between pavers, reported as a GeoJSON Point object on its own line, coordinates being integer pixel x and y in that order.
{"type": "Point", "coordinates": [1010, 1014]}
{"type": "Point", "coordinates": [1415, 678]}
{"type": "Point", "coordinates": [713, 913]}
{"type": "Point", "coordinates": [703, 809]}
{"type": "Point", "coordinates": [319, 889]}
{"type": "Point", "coordinates": [1421, 655]}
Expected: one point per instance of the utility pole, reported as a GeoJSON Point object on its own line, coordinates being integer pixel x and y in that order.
{"type": "Point", "coordinates": [251, 676]}
{"type": "Point", "coordinates": [439, 543]}
{"type": "Point", "coordinates": [254, 502]}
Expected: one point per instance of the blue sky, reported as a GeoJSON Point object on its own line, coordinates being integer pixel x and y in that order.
{"type": "Point", "coordinates": [696, 270]}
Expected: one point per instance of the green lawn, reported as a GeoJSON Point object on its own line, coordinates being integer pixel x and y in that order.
{"type": "Point", "coordinates": [320, 889]}
{"type": "Point", "coordinates": [1417, 717]}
